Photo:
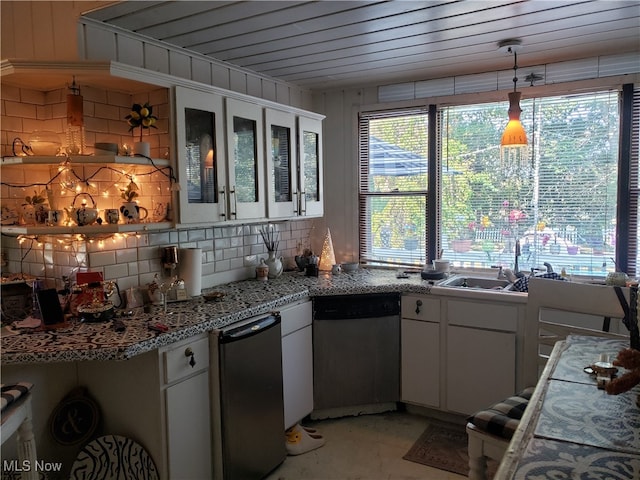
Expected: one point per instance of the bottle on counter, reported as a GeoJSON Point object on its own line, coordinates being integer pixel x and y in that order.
{"type": "Point", "coordinates": [262, 271]}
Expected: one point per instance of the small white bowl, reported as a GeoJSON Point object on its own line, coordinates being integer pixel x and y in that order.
{"type": "Point", "coordinates": [350, 266]}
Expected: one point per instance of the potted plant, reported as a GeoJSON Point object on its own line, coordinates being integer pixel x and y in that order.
{"type": "Point", "coordinates": [34, 209]}
{"type": "Point", "coordinates": [410, 236]}
{"type": "Point", "coordinates": [463, 237]}
{"type": "Point", "coordinates": [141, 116]}
{"type": "Point", "coordinates": [130, 210]}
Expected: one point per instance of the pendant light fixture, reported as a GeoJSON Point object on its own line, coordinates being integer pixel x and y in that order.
{"type": "Point", "coordinates": [514, 134]}
{"type": "Point", "coordinates": [75, 121]}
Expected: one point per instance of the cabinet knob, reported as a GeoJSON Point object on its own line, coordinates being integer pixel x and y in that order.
{"type": "Point", "coordinates": [418, 305]}
{"type": "Point", "coordinates": [189, 353]}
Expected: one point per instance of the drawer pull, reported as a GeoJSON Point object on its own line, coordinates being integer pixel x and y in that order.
{"type": "Point", "coordinates": [189, 353]}
{"type": "Point", "coordinates": [418, 305]}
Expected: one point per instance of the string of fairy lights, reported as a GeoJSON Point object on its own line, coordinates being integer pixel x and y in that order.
{"type": "Point", "coordinates": [74, 181]}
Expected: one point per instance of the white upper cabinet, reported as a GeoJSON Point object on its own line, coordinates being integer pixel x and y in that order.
{"type": "Point", "coordinates": [310, 161]}
{"type": "Point", "coordinates": [201, 156]}
{"type": "Point", "coordinates": [281, 153]}
{"type": "Point", "coordinates": [240, 160]}
{"type": "Point", "coordinates": [246, 166]}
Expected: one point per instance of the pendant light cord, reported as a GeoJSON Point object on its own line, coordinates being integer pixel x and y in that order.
{"type": "Point", "coordinates": [515, 69]}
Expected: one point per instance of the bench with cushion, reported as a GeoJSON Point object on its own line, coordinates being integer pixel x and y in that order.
{"type": "Point", "coordinates": [490, 431]}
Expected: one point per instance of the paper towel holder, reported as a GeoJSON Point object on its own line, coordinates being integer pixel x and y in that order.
{"type": "Point", "coordinates": [170, 257]}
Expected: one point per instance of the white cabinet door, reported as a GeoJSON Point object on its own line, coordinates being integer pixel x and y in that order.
{"type": "Point", "coordinates": [189, 428]}
{"type": "Point", "coordinates": [245, 152]}
{"type": "Point", "coordinates": [311, 171]}
{"type": "Point", "coordinates": [281, 154]}
{"type": "Point", "coordinates": [420, 364]}
{"type": "Point", "coordinates": [481, 368]}
{"type": "Point", "coordinates": [201, 156]}
{"type": "Point", "coordinates": [297, 362]}
{"type": "Point", "coordinates": [188, 408]}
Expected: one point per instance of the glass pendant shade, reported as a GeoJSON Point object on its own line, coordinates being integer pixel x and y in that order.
{"type": "Point", "coordinates": [75, 121]}
{"type": "Point", "coordinates": [514, 134]}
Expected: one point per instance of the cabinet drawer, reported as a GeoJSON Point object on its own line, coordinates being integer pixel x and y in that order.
{"type": "Point", "coordinates": [296, 317]}
{"type": "Point", "coordinates": [420, 307]}
{"type": "Point", "coordinates": [483, 315]}
{"type": "Point", "coordinates": [176, 360]}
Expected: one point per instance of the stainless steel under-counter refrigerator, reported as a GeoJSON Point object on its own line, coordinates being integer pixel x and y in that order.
{"type": "Point", "coordinates": [248, 418]}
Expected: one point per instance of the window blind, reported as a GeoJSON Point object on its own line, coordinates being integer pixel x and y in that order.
{"type": "Point", "coordinates": [559, 201]}
{"type": "Point", "coordinates": [393, 159]}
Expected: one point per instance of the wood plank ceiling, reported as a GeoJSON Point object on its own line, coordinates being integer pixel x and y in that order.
{"type": "Point", "coordinates": [335, 44]}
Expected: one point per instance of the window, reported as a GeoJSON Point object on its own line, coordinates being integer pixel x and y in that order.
{"type": "Point", "coordinates": [393, 187]}
{"type": "Point", "coordinates": [558, 201]}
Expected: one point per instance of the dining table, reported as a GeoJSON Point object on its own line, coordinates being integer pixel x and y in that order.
{"type": "Point", "coordinates": [572, 428]}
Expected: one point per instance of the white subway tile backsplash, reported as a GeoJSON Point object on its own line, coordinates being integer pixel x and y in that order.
{"type": "Point", "coordinates": [235, 263]}
{"type": "Point", "coordinates": [222, 243]}
{"type": "Point", "coordinates": [35, 97]}
{"type": "Point", "coordinates": [144, 266]}
{"type": "Point", "coordinates": [222, 266]}
{"type": "Point", "coordinates": [23, 110]}
{"type": "Point", "coordinates": [99, 259]}
{"type": "Point", "coordinates": [196, 235]}
{"type": "Point", "coordinates": [133, 268]}
{"type": "Point", "coordinates": [149, 253]}
{"type": "Point", "coordinates": [126, 255]}
{"type": "Point", "coordinates": [133, 259]}
{"type": "Point", "coordinates": [115, 272]}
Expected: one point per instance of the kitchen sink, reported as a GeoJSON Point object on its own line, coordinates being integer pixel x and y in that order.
{"type": "Point", "coordinates": [466, 281]}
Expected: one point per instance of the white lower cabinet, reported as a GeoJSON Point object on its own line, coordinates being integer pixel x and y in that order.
{"type": "Point", "coordinates": [297, 362]}
{"type": "Point", "coordinates": [420, 350]}
{"type": "Point", "coordinates": [458, 355]}
{"type": "Point", "coordinates": [187, 409]}
{"type": "Point", "coordinates": [481, 362]}
{"type": "Point", "coordinates": [160, 400]}
{"type": "Point", "coordinates": [420, 378]}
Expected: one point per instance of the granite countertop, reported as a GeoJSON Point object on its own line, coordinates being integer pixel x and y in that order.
{"type": "Point", "coordinates": [243, 299]}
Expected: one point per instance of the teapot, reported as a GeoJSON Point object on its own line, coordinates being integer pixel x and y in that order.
{"type": "Point", "coordinates": [83, 215]}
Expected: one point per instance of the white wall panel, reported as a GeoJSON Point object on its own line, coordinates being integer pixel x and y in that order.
{"type": "Point", "coordinates": [200, 70]}
{"type": "Point", "coordinates": [130, 50]}
{"type": "Point", "coordinates": [220, 76]}
{"type": "Point", "coordinates": [180, 64]}
{"type": "Point", "coordinates": [254, 86]}
{"type": "Point", "coordinates": [618, 64]}
{"type": "Point", "coordinates": [156, 58]}
{"type": "Point", "coordinates": [574, 70]}
{"type": "Point", "coordinates": [237, 81]}
{"type": "Point", "coordinates": [480, 82]}
{"type": "Point", "coordinates": [435, 88]}
{"type": "Point", "coordinates": [269, 90]}
{"type": "Point", "coordinates": [99, 44]}
{"type": "Point", "coordinates": [396, 92]}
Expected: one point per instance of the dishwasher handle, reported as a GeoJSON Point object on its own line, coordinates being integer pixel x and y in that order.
{"type": "Point", "coordinates": [250, 329]}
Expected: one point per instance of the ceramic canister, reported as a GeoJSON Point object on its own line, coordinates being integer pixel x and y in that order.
{"type": "Point", "coordinates": [262, 271]}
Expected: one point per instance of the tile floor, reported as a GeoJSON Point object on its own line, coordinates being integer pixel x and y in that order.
{"type": "Point", "coordinates": [367, 447]}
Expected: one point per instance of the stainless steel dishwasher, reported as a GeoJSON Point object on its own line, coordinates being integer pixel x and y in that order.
{"type": "Point", "coordinates": [356, 354]}
{"type": "Point", "coordinates": [248, 403]}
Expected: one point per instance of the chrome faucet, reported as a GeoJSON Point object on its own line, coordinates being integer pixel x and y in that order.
{"type": "Point", "coordinates": [516, 270]}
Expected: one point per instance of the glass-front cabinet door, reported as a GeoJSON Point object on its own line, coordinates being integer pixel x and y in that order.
{"type": "Point", "coordinates": [310, 161]}
{"type": "Point", "coordinates": [282, 185]}
{"type": "Point", "coordinates": [245, 151]}
{"type": "Point", "coordinates": [201, 162]}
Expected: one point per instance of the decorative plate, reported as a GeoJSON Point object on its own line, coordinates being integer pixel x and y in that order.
{"type": "Point", "coordinates": [75, 419]}
{"type": "Point", "coordinates": [113, 457]}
